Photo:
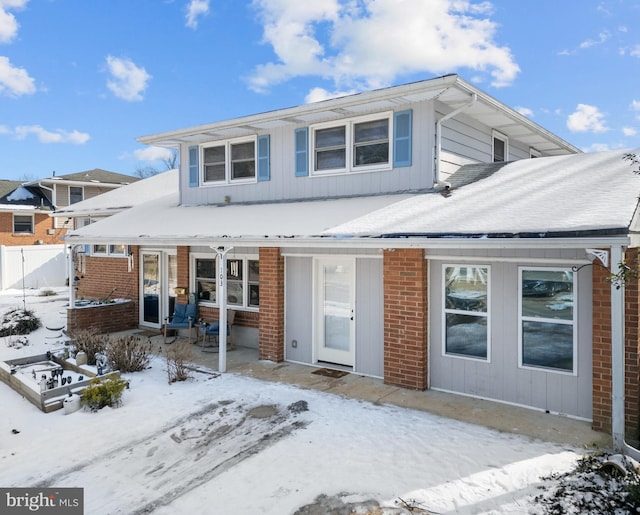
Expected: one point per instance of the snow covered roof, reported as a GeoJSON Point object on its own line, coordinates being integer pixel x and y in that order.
{"type": "Point", "coordinates": [119, 199]}
{"type": "Point", "coordinates": [591, 193]}
{"type": "Point", "coordinates": [164, 221]}
{"type": "Point", "coordinates": [580, 195]}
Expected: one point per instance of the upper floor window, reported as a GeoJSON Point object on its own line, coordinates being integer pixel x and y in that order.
{"type": "Point", "coordinates": [466, 311]}
{"type": "Point", "coordinates": [361, 144]}
{"type": "Point", "coordinates": [76, 194]}
{"type": "Point", "coordinates": [23, 224]}
{"type": "Point", "coordinates": [500, 147]}
{"type": "Point", "coordinates": [229, 161]}
{"type": "Point", "coordinates": [548, 319]}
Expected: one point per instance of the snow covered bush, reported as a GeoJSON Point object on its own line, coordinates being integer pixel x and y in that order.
{"type": "Point", "coordinates": [129, 353]}
{"type": "Point", "coordinates": [103, 391]}
{"type": "Point", "coordinates": [600, 483]}
{"type": "Point", "coordinates": [89, 342]}
{"type": "Point", "coordinates": [178, 359]}
{"type": "Point", "coordinates": [18, 321]}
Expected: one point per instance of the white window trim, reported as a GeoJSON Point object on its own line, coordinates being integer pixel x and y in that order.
{"type": "Point", "coordinates": [573, 322]}
{"type": "Point", "coordinates": [33, 223]}
{"type": "Point", "coordinates": [245, 279]}
{"type": "Point", "coordinates": [462, 312]}
{"type": "Point", "coordinates": [108, 253]}
{"type": "Point", "coordinates": [498, 135]}
{"type": "Point", "coordinates": [227, 163]}
{"type": "Point", "coordinates": [349, 145]}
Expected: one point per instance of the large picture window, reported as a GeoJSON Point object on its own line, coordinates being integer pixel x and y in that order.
{"type": "Point", "coordinates": [360, 144]}
{"type": "Point", "coordinates": [243, 281]}
{"type": "Point", "coordinates": [229, 161]}
{"type": "Point", "coordinates": [548, 319]}
{"type": "Point", "coordinates": [466, 311]}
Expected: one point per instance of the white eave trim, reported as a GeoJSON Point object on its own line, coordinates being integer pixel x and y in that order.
{"type": "Point", "coordinates": [368, 243]}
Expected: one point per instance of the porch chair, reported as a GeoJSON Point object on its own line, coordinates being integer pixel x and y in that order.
{"type": "Point", "coordinates": [212, 330]}
{"type": "Point", "coordinates": [184, 317]}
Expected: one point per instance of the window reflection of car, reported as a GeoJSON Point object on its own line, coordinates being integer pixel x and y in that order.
{"type": "Point", "coordinates": [467, 300]}
{"type": "Point", "coordinates": [543, 288]}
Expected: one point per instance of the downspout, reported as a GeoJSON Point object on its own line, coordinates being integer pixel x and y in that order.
{"type": "Point", "coordinates": [617, 360]}
{"type": "Point", "coordinates": [437, 181]}
{"type": "Point", "coordinates": [222, 307]}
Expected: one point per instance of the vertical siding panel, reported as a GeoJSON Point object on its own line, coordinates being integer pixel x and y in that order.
{"type": "Point", "coordinates": [298, 309]}
{"type": "Point", "coordinates": [369, 317]}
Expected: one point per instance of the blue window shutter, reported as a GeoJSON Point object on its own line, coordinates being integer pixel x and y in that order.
{"type": "Point", "coordinates": [402, 138]}
{"type": "Point", "coordinates": [87, 250]}
{"type": "Point", "coordinates": [194, 171]}
{"type": "Point", "coordinates": [302, 152]}
{"type": "Point", "coordinates": [264, 168]}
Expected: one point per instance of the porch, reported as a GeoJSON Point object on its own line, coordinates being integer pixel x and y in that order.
{"type": "Point", "coordinates": [501, 417]}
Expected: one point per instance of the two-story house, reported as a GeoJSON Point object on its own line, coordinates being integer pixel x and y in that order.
{"type": "Point", "coordinates": [405, 234]}
{"type": "Point", "coordinates": [25, 207]}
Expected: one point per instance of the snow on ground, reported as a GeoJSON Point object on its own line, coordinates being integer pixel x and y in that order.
{"type": "Point", "coordinates": [219, 444]}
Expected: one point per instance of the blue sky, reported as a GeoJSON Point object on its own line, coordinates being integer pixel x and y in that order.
{"type": "Point", "coordinates": [80, 80]}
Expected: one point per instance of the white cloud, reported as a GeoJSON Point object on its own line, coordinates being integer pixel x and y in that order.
{"type": "Point", "coordinates": [341, 40]}
{"type": "Point", "coordinates": [635, 105]}
{"type": "Point", "coordinates": [196, 9]}
{"type": "Point", "coordinates": [57, 136]}
{"type": "Point", "coordinates": [320, 94]}
{"type": "Point", "coordinates": [14, 81]}
{"type": "Point", "coordinates": [128, 81]}
{"type": "Point", "coordinates": [152, 154]}
{"type": "Point", "coordinates": [586, 118]}
{"type": "Point", "coordinates": [8, 24]}
{"type": "Point", "coordinates": [524, 111]}
{"type": "Point", "coordinates": [602, 38]}
{"type": "Point", "coordinates": [635, 51]}
{"type": "Point", "coordinates": [629, 131]}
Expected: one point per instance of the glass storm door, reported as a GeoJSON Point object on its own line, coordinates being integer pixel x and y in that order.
{"type": "Point", "coordinates": [335, 326]}
{"type": "Point", "coordinates": [159, 280]}
{"type": "Point", "coordinates": [151, 289]}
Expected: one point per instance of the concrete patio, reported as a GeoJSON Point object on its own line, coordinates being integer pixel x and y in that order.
{"type": "Point", "coordinates": [501, 417]}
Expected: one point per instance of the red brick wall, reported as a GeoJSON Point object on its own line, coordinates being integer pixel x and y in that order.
{"type": "Point", "coordinates": [271, 320]}
{"type": "Point", "coordinates": [405, 318]}
{"type": "Point", "coordinates": [632, 335]}
{"type": "Point", "coordinates": [601, 321]}
{"type": "Point", "coordinates": [108, 318]}
{"type": "Point", "coordinates": [602, 373]}
{"type": "Point", "coordinates": [104, 274]}
{"type": "Point", "coordinates": [41, 221]}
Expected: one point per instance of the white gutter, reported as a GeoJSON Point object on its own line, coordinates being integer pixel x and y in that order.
{"type": "Point", "coordinates": [438, 149]}
{"type": "Point", "coordinates": [617, 360]}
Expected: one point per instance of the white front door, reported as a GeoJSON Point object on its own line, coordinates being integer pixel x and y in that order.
{"type": "Point", "coordinates": [334, 312]}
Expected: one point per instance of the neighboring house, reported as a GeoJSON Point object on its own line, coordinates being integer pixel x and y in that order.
{"type": "Point", "coordinates": [24, 215]}
{"type": "Point", "coordinates": [403, 234]}
{"type": "Point", "coordinates": [25, 207]}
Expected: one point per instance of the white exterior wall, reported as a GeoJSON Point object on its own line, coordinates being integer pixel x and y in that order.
{"type": "Point", "coordinates": [501, 378]}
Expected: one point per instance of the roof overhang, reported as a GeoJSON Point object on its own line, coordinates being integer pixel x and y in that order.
{"type": "Point", "coordinates": [451, 90]}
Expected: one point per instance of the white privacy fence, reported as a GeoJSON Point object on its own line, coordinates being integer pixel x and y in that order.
{"type": "Point", "coordinates": [32, 266]}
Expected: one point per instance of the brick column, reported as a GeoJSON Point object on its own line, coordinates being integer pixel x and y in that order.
{"type": "Point", "coordinates": [271, 323]}
{"type": "Point", "coordinates": [631, 337]}
{"type": "Point", "coordinates": [405, 318]}
{"type": "Point", "coordinates": [601, 349]}
{"type": "Point", "coordinates": [602, 346]}
{"type": "Point", "coordinates": [182, 261]}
